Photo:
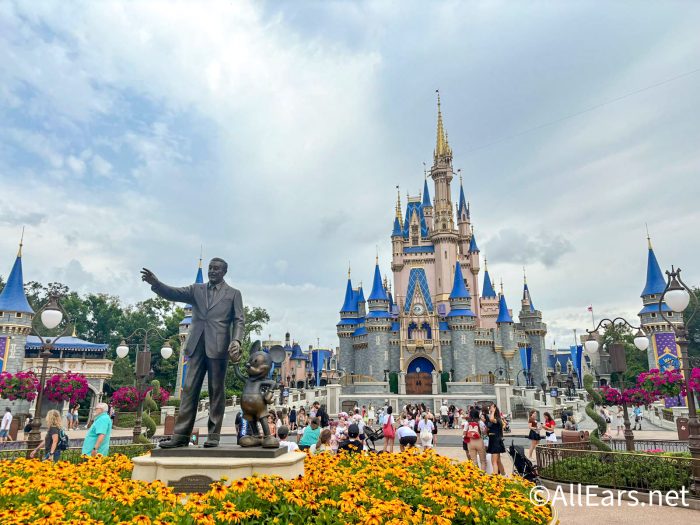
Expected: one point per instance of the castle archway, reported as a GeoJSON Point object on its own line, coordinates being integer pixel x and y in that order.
{"type": "Point", "coordinates": [419, 376]}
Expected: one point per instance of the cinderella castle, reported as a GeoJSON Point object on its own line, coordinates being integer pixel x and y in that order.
{"type": "Point", "coordinates": [445, 329]}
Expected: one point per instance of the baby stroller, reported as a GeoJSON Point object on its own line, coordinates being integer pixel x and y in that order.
{"type": "Point", "coordinates": [371, 436]}
{"type": "Point", "coordinates": [521, 464]}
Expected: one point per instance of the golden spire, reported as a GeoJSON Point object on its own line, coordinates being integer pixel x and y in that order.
{"type": "Point", "coordinates": [524, 276]}
{"type": "Point", "coordinates": [376, 259]}
{"type": "Point", "coordinates": [21, 243]}
{"type": "Point", "coordinates": [648, 238]}
{"type": "Point", "coordinates": [348, 269]}
{"type": "Point", "coordinates": [442, 147]}
{"type": "Point", "coordinates": [201, 250]}
{"type": "Point", "coordinates": [398, 203]}
{"type": "Point", "coordinates": [501, 285]}
{"type": "Point", "coordinates": [74, 332]}
{"type": "Point", "coordinates": [486, 264]}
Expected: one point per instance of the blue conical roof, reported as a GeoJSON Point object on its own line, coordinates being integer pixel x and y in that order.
{"type": "Point", "coordinates": [462, 202]}
{"type": "Point", "coordinates": [503, 314]}
{"type": "Point", "coordinates": [349, 305]}
{"type": "Point", "coordinates": [426, 194]}
{"type": "Point", "coordinates": [459, 290]}
{"type": "Point", "coordinates": [200, 278]}
{"type": "Point", "coordinates": [12, 298]}
{"type": "Point", "coordinates": [488, 290]}
{"type": "Point", "coordinates": [656, 284]}
{"type": "Point", "coordinates": [473, 248]}
{"type": "Point", "coordinates": [526, 296]}
{"type": "Point", "coordinates": [378, 291]}
{"type": "Point", "coordinates": [360, 295]}
{"type": "Point", "coordinates": [297, 353]}
{"type": "Point", "coordinates": [396, 232]}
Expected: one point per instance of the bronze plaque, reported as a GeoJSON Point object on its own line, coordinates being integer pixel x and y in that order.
{"type": "Point", "coordinates": [194, 483]}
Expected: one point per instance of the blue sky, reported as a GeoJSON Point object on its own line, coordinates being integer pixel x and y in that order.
{"type": "Point", "coordinates": [274, 134]}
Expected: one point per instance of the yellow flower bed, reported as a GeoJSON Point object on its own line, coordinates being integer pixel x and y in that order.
{"type": "Point", "coordinates": [407, 488]}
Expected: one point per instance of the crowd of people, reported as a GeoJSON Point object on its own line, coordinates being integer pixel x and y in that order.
{"type": "Point", "coordinates": [415, 426]}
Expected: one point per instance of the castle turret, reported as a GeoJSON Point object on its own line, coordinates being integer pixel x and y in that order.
{"type": "Point", "coordinates": [461, 321]}
{"type": "Point", "coordinates": [16, 317]}
{"type": "Point", "coordinates": [443, 236]}
{"type": "Point", "coordinates": [649, 315]}
{"type": "Point", "coordinates": [505, 330]}
{"type": "Point", "coordinates": [535, 331]}
{"type": "Point", "coordinates": [463, 220]}
{"type": "Point", "coordinates": [349, 323]}
{"type": "Point", "coordinates": [488, 302]}
{"type": "Point", "coordinates": [373, 362]}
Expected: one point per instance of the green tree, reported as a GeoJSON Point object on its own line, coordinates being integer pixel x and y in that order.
{"type": "Point", "coordinates": [694, 325]}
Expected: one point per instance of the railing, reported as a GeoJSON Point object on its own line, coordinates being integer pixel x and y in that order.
{"type": "Point", "coordinates": [645, 445]}
{"type": "Point", "coordinates": [570, 463]}
{"type": "Point", "coordinates": [74, 454]}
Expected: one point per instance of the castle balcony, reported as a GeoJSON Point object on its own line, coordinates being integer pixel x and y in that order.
{"type": "Point", "coordinates": [413, 344]}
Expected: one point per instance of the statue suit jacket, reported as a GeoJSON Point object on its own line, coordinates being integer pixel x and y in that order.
{"type": "Point", "coordinates": [219, 322]}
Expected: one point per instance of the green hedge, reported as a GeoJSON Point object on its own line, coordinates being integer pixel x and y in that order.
{"type": "Point", "coordinates": [620, 470]}
{"type": "Point", "coordinates": [74, 455]}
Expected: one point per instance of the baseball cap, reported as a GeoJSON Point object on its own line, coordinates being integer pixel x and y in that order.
{"type": "Point", "coordinates": [353, 430]}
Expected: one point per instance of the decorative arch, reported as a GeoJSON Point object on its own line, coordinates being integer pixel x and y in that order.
{"type": "Point", "coordinates": [421, 364]}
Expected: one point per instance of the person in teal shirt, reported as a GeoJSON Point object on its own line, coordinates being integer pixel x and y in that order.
{"type": "Point", "coordinates": [310, 435]}
{"type": "Point", "coordinates": [97, 438]}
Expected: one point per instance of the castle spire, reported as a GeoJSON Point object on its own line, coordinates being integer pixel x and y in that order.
{"type": "Point", "coordinates": [21, 243]}
{"type": "Point", "coordinates": [426, 194]}
{"type": "Point", "coordinates": [199, 279]}
{"type": "Point", "coordinates": [487, 290]}
{"type": "Point", "coordinates": [378, 292]}
{"type": "Point", "coordinates": [12, 298]}
{"type": "Point", "coordinates": [527, 299]}
{"type": "Point", "coordinates": [503, 313]}
{"type": "Point", "coordinates": [442, 147]}
{"type": "Point", "coordinates": [655, 279]}
{"type": "Point", "coordinates": [460, 300]}
{"type": "Point", "coordinates": [473, 248]}
{"type": "Point", "coordinates": [349, 304]}
{"type": "Point", "coordinates": [462, 209]}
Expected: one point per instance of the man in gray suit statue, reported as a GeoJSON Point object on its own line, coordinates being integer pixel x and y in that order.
{"type": "Point", "coordinates": [215, 336]}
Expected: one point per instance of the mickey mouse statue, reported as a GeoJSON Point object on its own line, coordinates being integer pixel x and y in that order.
{"type": "Point", "coordinates": [258, 393]}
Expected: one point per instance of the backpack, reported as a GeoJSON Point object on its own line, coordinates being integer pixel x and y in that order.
{"type": "Point", "coordinates": [62, 440]}
{"type": "Point", "coordinates": [473, 430]}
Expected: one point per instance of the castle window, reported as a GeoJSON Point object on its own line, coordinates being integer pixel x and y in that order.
{"type": "Point", "coordinates": [445, 254]}
{"type": "Point", "coordinates": [653, 314]}
{"type": "Point", "coordinates": [18, 315]}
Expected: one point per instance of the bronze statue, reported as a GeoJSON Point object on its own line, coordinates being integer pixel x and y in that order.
{"type": "Point", "coordinates": [216, 333]}
{"type": "Point", "coordinates": [258, 394]}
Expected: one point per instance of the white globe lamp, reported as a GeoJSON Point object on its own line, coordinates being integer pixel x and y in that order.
{"type": "Point", "coordinates": [166, 351]}
{"type": "Point", "coordinates": [122, 349]}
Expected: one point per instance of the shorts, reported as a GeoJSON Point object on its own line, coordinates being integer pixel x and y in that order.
{"type": "Point", "coordinates": [408, 440]}
{"type": "Point", "coordinates": [3, 433]}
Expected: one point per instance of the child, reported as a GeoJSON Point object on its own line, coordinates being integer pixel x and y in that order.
{"type": "Point", "coordinates": [283, 434]}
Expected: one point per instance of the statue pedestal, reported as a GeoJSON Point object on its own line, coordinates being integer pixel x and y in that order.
{"type": "Point", "coordinates": [193, 469]}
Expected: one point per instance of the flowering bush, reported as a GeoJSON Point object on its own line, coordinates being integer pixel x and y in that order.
{"type": "Point", "coordinates": [159, 394]}
{"type": "Point", "coordinates": [387, 489]}
{"type": "Point", "coordinates": [611, 396]}
{"type": "Point", "coordinates": [22, 385]}
{"type": "Point", "coordinates": [127, 398]}
{"type": "Point", "coordinates": [668, 384]}
{"type": "Point", "coordinates": [694, 383]}
{"type": "Point", "coordinates": [66, 387]}
{"type": "Point", "coordinates": [638, 397]}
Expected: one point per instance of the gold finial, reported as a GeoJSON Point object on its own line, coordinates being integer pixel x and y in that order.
{"type": "Point", "coordinates": [21, 243]}
{"type": "Point", "coordinates": [376, 258]}
{"type": "Point", "coordinates": [501, 285]}
{"type": "Point", "coordinates": [486, 264]}
{"type": "Point", "coordinates": [648, 237]}
{"type": "Point", "coordinates": [348, 269]}
{"type": "Point", "coordinates": [398, 203]}
{"type": "Point", "coordinates": [201, 251]}
{"type": "Point", "coordinates": [524, 276]}
{"type": "Point", "coordinates": [442, 147]}
{"type": "Point", "coordinates": [425, 170]}
{"type": "Point", "coordinates": [74, 332]}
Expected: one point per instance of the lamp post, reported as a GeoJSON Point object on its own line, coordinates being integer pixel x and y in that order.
{"type": "Point", "coordinates": [309, 377]}
{"type": "Point", "coordinates": [51, 315]}
{"type": "Point", "coordinates": [617, 354]}
{"type": "Point", "coordinates": [143, 367]}
{"type": "Point", "coordinates": [677, 295]}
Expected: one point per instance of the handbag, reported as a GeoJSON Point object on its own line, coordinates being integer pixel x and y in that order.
{"type": "Point", "coordinates": [388, 428]}
{"type": "Point", "coordinates": [426, 436]}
